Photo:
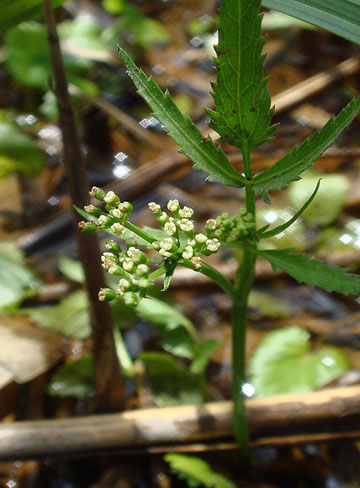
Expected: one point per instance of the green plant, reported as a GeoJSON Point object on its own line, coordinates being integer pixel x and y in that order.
{"type": "Point", "coordinates": [284, 363]}
{"type": "Point", "coordinates": [242, 118]}
{"type": "Point", "coordinates": [196, 472]}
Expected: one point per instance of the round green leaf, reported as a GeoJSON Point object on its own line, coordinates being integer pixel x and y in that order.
{"type": "Point", "coordinates": [283, 363]}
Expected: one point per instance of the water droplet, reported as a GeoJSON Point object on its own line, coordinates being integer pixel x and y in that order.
{"type": "Point", "coordinates": [345, 238]}
{"type": "Point", "coordinates": [248, 389]}
{"type": "Point", "coordinates": [120, 156]}
{"type": "Point", "coordinates": [328, 361]}
{"type": "Point", "coordinates": [271, 217]}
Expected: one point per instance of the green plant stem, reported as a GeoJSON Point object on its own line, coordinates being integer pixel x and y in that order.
{"type": "Point", "coordinates": [214, 275]}
{"type": "Point", "coordinates": [206, 270]}
{"type": "Point", "coordinates": [250, 194]}
{"type": "Point", "coordinates": [244, 279]}
{"type": "Point", "coordinates": [139, 232]}
{"type": "Point", "coordinates": [126, 363]}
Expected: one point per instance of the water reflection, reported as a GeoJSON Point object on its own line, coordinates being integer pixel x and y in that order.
{"type": "Point", "coordinates": [26, 120]}
{"type": "Point", "coordinates": [120, 169]}
{"type": "Point", "coordinates": [248, 389]}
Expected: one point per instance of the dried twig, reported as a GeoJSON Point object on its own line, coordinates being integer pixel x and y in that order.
{"type": "Point", "coordinates": [107, 374]}
{"type": "Point", "coordinates": [270, 418]}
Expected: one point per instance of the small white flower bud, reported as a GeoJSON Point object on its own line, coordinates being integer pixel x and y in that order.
{"type": "Point", "coordinates": [166, 244]}
{"type": "Point", "coordinates": [163, 217]}
{"type": "Point", "coordinates": [128, 265]}
{"type": "Point", "coordinates": [201, 238]}
{"type": "Point", "coordinates": [132, 251]}
{"type": "Point", "coordinates": [102, 220]}
{"type": "Point", "coordinates": [116, 213]}
{"type": "Point", "coordinates": [173, 205]}
{"type": "Point", "coordinates": [113, 268]}
{"type": "Point", "coordinates": [212, 245]}
{"type": "Point", "coordinates": [154, 207]}
{"type": "Point", "coordinates": [126, 207]}
{"type": "Point", "coordinates": [191, 242]}
{"type": "Point", "coordinates": [211, 224]}
{"type": "Point", "coordinates": [186, 212]}
{"type": "Point", "coordinates": [107, 255]}
{"type": "Point", "coordinates": [188, 253]}
{"type": "Point", "coordinates": [89, 208]}
{"type": "Point", "coordinates": [118, 229]}
{"type": "Point", "coordinates": [170, 228]}
{"type": "Point", "coordinates": [164, 253]}
{"type": "Point", "coordinates": [186, 225]}
{"type": "Point", "coordinates": [112, 246]}
{"type": "Point", "coordinates": [107, 263]}
{"type": "Point", "coordinates": [142, 269]}
{"type": "Point", "coordinates": [130, 298]}
{"type": "Point", "coordinates": [143, 283]}
{"type": "Point", "coordinates": [197, 262]}
{"type": "Point", "coordinates": [110, 197]}
{"type": "Point", "coordinates": [123, 285]}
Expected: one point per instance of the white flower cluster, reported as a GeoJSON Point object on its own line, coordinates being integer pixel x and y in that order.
{"type": "Point", "coordinates": [133, 267]}
{"type": "Point", "coordinates": [180, 243]}
{"type": "Point", "coordinates": [197, 244]}
{"type": "Point", "coordinates": [114, 216]}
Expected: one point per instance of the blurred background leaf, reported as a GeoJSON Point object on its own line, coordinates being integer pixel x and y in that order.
{"type": "Point", "coordinates": [17, 281]}
{"type": "Point", "coordinates": [13, 12]}
{"type": "Point", "coordinates": [74, 379]}
{"type": "Point", "coordinates": [341, 17]}
{"type": "Point", "coordinates": [284, 363]}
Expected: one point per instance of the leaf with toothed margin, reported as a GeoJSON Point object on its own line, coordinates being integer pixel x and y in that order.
{"type": "Point", "coordinates": [202, 151]}
{"type": "Point", "coordinates": [313, 272]}
{"type": "Point", "coordinates": [304, 155]}
{"type": "Point", "coordinates": [242, 100]}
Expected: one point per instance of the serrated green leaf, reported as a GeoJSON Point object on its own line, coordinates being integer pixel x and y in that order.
{"type": "Point", "coordinates": [74, 379]}
{"type": "Point", "coordinates": [304, 155]}
{"type": "Point", "coordinates": [313, 272]}
{"type": "Point", "coordinates": [196, 472]}
{"type": "Point", "coordinates": [203, 152]}
{"type": "Point", "coordinates": [341, 17]}
{"type": "Point", "coordinates": [283, 227]}
{"type": "Point", "coordinates": [171, 383]}
{"type": "Point", "coordinates": [242, 100]}
{"type": "Point", "coordinates": [284, 363]}
{"type": "Point", "coordinates": [13, 12]}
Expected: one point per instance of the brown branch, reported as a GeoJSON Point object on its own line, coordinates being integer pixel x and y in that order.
{"type": "Point", "coordinates": [332, 410]}
{"type": "Point", "coordinates": [108, 380]}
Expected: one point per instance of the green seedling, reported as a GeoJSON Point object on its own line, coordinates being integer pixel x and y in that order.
{"type": "Point", "coordinates": [242, 118]}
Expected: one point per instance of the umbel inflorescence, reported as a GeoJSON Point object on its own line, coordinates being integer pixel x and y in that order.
{"type": "Point", "coordinates": [178, 243]}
